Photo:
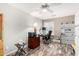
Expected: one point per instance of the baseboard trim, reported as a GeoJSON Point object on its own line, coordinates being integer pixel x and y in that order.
{"type": "Point", "coordinates": [10, 52]}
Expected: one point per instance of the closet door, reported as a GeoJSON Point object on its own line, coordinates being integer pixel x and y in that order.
{"type": "Point", "coordinates": [1, 41]}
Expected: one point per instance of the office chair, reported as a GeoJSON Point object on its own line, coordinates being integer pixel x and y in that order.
{"type": "Point", "coordinates": [47, 38]}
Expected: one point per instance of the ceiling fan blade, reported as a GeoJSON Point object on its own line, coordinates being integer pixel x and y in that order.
{"type": "Point", "coordinates": [45, 5]}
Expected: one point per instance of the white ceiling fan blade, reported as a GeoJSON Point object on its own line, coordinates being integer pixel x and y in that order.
{"type": "Point", "coordinates": [49, 10]}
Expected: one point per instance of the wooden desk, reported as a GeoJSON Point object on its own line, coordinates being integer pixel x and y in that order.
{"type": "Point", "coordinates": [33, 42]}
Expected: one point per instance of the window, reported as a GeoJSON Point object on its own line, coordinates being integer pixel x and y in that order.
{"type": "Point", "coordinates": [49, 26]}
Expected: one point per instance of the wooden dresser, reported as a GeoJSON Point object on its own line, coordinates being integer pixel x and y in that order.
{"type": "Point", "coordinates": [33, 42]}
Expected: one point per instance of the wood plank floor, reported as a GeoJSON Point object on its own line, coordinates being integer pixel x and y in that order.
{"type": "Point", "coordinates": [52, 49]}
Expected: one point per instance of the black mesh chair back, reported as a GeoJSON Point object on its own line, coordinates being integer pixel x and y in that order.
{"type": "Point", "coordinates": [49, 34]}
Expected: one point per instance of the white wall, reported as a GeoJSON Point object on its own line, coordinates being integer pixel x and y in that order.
{"type": "Point", "coordinates": [16, 24]}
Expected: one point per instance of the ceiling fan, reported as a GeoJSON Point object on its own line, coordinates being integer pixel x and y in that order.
{"type": "Point", "coordinates": [45, 10]}
{"type": "Point", "coordinates": [46, 7]}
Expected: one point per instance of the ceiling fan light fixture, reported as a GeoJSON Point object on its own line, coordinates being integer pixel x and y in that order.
{"type": "Point", "coordinates": [44, 10]}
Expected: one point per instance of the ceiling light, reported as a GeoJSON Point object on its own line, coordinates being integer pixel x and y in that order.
{"type": "Point", "coordinates": [44, 10]}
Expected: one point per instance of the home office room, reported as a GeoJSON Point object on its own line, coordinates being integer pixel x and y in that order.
{"type": "Point", "coordinates": [39, 29]}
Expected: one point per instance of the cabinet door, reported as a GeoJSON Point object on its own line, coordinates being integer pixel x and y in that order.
{"type": "Point", "coordinates": [0, 27]}
{"type": "Point", "coordinates": [1, 48]}
{"type": "Point", "coordinates": [1, 52]}
{"type": "Point", "coordinates": [1, 41]}
{"type": "Point", "coordinates": [1, 44]}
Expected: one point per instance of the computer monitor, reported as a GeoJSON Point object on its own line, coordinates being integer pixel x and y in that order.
{"type": "Point", "coordinates": [31, 34]}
